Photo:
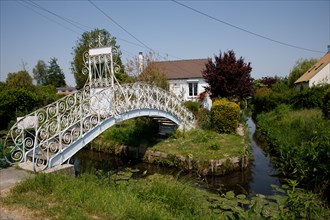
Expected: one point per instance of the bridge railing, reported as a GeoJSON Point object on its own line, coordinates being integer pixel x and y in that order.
{"type": "Point", "coordinates": [47, 131]}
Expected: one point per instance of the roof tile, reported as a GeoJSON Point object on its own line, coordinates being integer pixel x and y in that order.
{"type": "Point", "coordinates": [182, 69]}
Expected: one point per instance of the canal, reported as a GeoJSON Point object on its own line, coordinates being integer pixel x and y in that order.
{"type": "Point", "coordinates": [256, 179]}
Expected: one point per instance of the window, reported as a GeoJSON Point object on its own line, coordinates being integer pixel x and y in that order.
{"type": "Point", "coordinates": [193, 89]}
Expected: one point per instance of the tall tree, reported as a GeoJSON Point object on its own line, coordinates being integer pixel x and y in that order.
{"type": "Point", "coordinates": [40, 73]}
{"type": "Point", "coordinates": [55, 74]}
{"type": "Point", "coordinates": [301, 66]}
{"type": "Point", "coordinates": [15, 102]}
{"type": "Point", "coordinates": [88, 40]}
{"type": "Point", "coordinates": [19, 80]}
{"type": "Point", "coordinates": [269, 80]}
{"type": "Point", "coordinates": [228, 77]}
{"type": "Point", "coordinates": [153, 75]}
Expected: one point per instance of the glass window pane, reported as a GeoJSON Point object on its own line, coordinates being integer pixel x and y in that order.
{"type": "Point", "coordinates": [195, 89]}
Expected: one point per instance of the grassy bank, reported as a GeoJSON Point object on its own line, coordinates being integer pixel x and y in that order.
{"type": "Point", "coordinates": [204, 151]}
{"type": "Point", "coordinates": [301, 141]}
{"type": "Point", "coordinates": [55, 196]}
{"type": "Point", "coordinates": [201, 151]}
{"type": "Point", "coordinates": [88, 197]}
{"type": "Point", "coordinates": [204, 145]}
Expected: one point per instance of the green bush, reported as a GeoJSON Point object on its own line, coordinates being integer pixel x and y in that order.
{"type": "Point", "coordinates": [15, 103]}
{"type": "Point", "coordinates": [308, 98]}
{"type": "Point", "coordinates": [326, 104]}
{"type": "Point", "coordinates": [204, 119]}
{"type": "Point", "coordinates": [225, 116]}
{"type": "Point", "coordinates": [192, 106]}
{"type": "Point", "coordinates": [266, 100]}
{"type": "Point", "coordinates": [301, 142]}
{"type": "Point", "coordinates": [133, 132]}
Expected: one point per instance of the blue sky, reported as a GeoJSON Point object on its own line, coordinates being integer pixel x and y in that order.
{"type": "Point", "coordinates": [29, 34]}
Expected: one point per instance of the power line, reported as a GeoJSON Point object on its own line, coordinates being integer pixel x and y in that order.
{"type": "Point", "coordinates": [122, 27]}
{"type": "Point", "coordinates": [29, 6]}
{"type": "Point", "coordinates": [56, 15]}
{"type": "Point", "coordinates": [67, 20]}
{"type": "Point", "coordinates": [105, 14]}
{"type": "Point", "coordinates": [75, 24]}
{"type": "Point", "coordinates": [245, 30]}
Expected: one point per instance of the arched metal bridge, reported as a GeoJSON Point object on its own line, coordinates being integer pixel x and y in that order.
{"type": "Point", "coordinates": [51, 135]}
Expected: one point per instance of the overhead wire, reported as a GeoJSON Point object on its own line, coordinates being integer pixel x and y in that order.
{"type": "Point", "coordinates": [245, 30]}
{"type": "Point", "coordinates": [70, 21]}
{"type": "Point", "coordinates": [75, 24]}
{"type": "Point", "coordinates": [105, 14]}
{"type": "Point", "coordinates": [83, 27]}
{"type": "Point", "coordinates": [27, 5]}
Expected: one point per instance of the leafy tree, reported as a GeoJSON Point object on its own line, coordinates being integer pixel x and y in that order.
{"type": "Point", "coordinates": [269, 80]}
{"type": "Point", "coordinates": [19, 80]}
{"type": "Point", "coordinates": [151, 74]}
{"type": "Point", "coordinates": [14, 103]}
{"type": "Point", "coordinates": [40, 73]}
{"type": "Point", "coordinates": [326, 104]}
{"type": "Point", "coordinates": [87, 40]}
{"type": "Point", "coordinates": [154, 75]}
{"type": "Point", "coordinates": [228, 77]}
{"type": "Point", "coordinates": [55, 74]}
{"type": "Point", "coordinates": [301, 66]}
{"type": "Point", "coordinates": [46, 94]}
{"type": "Point", "coordinates": [3, 86]}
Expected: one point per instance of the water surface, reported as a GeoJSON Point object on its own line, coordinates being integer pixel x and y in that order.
{"type": "Point", "coordinates": [255, 179]}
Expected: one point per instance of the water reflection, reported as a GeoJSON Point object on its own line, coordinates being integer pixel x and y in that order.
{"type": "Point", "coordinates": [256, 179]}
{"type": "Point", "coordinates": [262, 171]}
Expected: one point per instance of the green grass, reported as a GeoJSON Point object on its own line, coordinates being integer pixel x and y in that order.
{"type": "Point", "coordinates": [156, 197]}
{"type": "Point", "coordinates": [56, 196]}
{"type": "Point", "coordinates": [201, 144]}
{"type": "Point", "coordinates": [300, 140]}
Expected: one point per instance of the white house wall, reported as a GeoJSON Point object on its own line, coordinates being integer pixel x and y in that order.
{"type": "Point", "coordinates": [322, 77]}
{"type": "Point", "coordinates": [180, 87]}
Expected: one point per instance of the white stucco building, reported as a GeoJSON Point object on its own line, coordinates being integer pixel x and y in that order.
{"type": "Point", "coordinates": [318, 74]}
{"type": "Point", "coordinates": [184, 77]}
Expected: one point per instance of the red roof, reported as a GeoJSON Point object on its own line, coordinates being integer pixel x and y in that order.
{"type": "Point", "coordinates": [182, 69]}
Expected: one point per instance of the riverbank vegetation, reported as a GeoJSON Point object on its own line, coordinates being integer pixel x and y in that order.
{"type": "Point", "coordinates": [302, 151]}
{"type": "Point", "coordinates": [296, 127]}
{"type": "Point", "coordinates": [58, 196]}
{"type": "Point", "coordinates": [204, 144]}
{"type": "Point", "coordinates": [204, 152]}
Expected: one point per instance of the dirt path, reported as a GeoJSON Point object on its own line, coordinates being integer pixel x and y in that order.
{"type": "Point", "coordinates": [9, 177]}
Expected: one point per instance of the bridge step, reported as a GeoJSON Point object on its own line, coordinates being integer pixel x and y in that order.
{"type": "Point", "coordinates": [28, 165]}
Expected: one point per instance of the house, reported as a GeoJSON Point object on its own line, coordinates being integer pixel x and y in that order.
{"type": "Point", "coordinates": [317, 74]}
{"type": "Point", "coordinates": [184, 77]}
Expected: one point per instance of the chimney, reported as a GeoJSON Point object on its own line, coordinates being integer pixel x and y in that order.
{"type": "Point", "coordinates": [141, 66]}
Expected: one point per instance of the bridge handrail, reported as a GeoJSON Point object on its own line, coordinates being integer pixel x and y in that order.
{"type": "Point", "coordinates": [58, 124]}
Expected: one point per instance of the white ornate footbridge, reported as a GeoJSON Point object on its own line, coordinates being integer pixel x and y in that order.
{"type": "Point", "coordinates": [51, 135]}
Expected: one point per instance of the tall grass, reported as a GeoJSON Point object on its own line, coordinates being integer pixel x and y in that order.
{"type": "Point", "coordinates": [301, 141]}
{"type": "Point", "coordinates": [56, 196]}
{"type": "Point", "coordinates": [156, 197]}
